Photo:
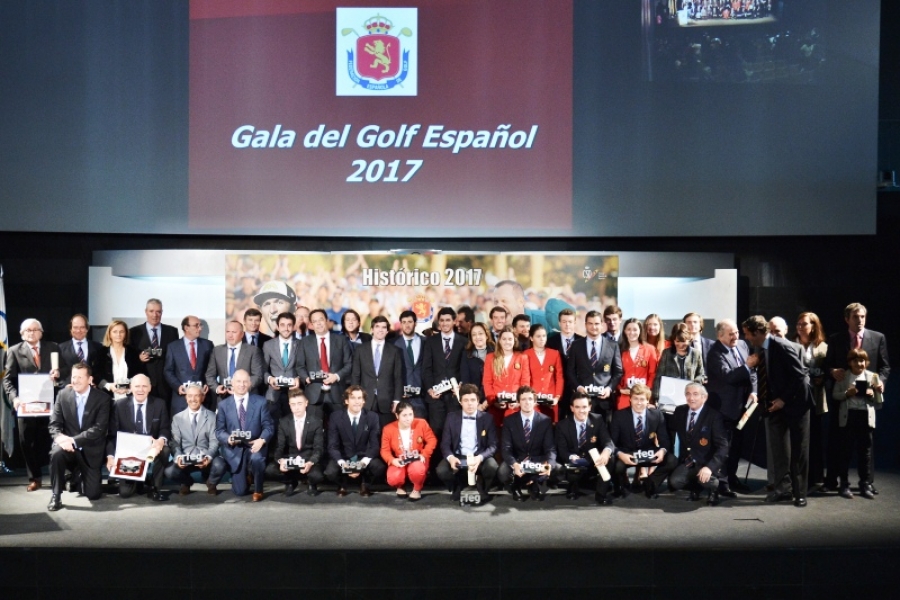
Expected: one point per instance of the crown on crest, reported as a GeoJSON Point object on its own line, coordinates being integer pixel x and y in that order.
{"type": "Point", "coordinates": [378, 24]}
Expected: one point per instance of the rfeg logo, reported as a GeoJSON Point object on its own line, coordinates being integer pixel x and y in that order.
{"type": "Point", "coordinates": [376, 52]}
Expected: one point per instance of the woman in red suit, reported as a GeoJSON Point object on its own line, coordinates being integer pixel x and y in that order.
{"type": "Point", "coordinates": [639, 360]}
{"type": "Point", "coordinates": [406, 447]}
{"type": "Point", "coordinates": [545, 365]}
{"type": "Point", "coordinates": [504, 372]}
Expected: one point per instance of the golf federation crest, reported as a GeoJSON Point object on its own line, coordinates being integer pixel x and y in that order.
{"type": "Point", "coordinates": [377, 52]}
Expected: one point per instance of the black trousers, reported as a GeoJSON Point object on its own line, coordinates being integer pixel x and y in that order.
{"type": "Point", "coordinates": [735, 438]}
{"type": "Point", "coordinates": [686, 477]}
{"type": "Point", "coordinates": [816, 448]}
{"type": "Point", "coordinates": [662, 470]}
{"type": "Point", "coordinates": [34, 436]}
{"type": "Point", "coordinates": [60, 460]}
{"type": "Point", "coordinates": [314, 477]}
{"type": "Point", "coordinates": [438, 409]}
{"type": "Point", "coordinates": [458, 480]}
{"type": "Point", "coordinates": [856, 435]}
{"type": "Point", "coordinates": [375, 470]}
{"type": "Point", "coordinates": [790, 452]}
{"type": "Point", "coordinates": [506, 475]}
{"type": "Point", "coordinates": [576, 480]}
{"type": "Point", "coordinates": [212, 474]}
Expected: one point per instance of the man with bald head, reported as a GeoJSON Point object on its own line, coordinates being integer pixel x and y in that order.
{"type": "Point", "coordinates": [141, 414]}
{"type": "Point", "coordinates": [778, 327]}
{"type": "Point", "coordinates": [152, 338]}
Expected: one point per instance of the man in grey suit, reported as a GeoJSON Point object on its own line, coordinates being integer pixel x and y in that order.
{"type": "Point", "coordinates": [280, 358]}
{"type": "Point", "coordinates": [234, 354]}
{"type": "Point", "coordinates": [326, 354]}
{"type": "Point", "coordinates": [378, 368]}
{"type": "Point", "coordinates": [193, 434]}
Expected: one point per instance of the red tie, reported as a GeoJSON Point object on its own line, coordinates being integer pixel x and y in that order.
{"type": "Point", "coordinates": [323, 355]}
{"type": "Point", "coordinates": [37, 357]}
{"type": "Point", "coordinates": [193, 356]}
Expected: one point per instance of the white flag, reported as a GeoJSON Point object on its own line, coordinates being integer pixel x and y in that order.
{"type": "Point", "coordinates": [7, 424]}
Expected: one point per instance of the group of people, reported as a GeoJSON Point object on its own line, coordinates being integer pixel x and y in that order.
{"type": "Point", "coordinates": [517, 405]}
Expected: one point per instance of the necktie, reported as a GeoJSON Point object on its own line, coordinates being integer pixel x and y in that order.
{"type": "Point", "coordinates": [377, 358]}
{"type": "Point", "coordinates": [285, 354]}
{"type": "Point", "coordinates": [737, 357]}
{"type": "Point", "coordinates": [447, 349]}
{"type": "Point", "coordinates": [762, 378]}
{"type": "Point", "coordinates": [154, 340]}
{"type": "Point", "coordinates": [80, 352]}
{"type": "Point", "coordinates": [37, 356]}
{"type": "Point", "coordinates": [80, 401]}
{"type": "Point", "coordinates": [323, 355]}
{"type": "Point", "coordinates": [639, 431]}
{"type": "Point", "coordinates": [465, 418]}
{"type": "Point", "coordinates": [688, 460]}
{"type": "Point", "coordinates": [242, 415]}
{"type": "Point", "coordinates": [593, 354]}
{"type": "Point", "coordinates": [299, 427]}
{"type": "Point", "coordinates": [568, 345]}
{"type": "Point", "coordinates": [193, 355]}
{"type": "Point", "coordinates": [858, 341]}
{"type": "Point", "coordinates": [354, 426]}
{"type": "Point", "coordinates": [582, 434]}
{"type": "Point", "coordinates": [139, 420]}
{"type": "Point", "coordinates": [690, 428]}
{"type": "Point", "coordinates": [409, 353]}
{"type": "Point", "coordinates": [194, 425]}
{"type": "Point", "coordinates": [527, 430]}
{"type": "Point", "coordinates": [231, 365]}
{"type": "Point", "coordinates": [253, 339]}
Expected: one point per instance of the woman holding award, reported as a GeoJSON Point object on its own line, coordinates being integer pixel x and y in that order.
{"type": "Point", "coordinates": [547, 376]}
{"type": "Point", "coordinates": [120, 361]}
{"type": "Point", "coordinates": [639, 361]}
{"type": "Point", "coordinates": [680, 360]}
{"type": "Point", "coordinates": [505, 371]}
{"type": "Point", "coordinates": [471, 369]}
{"type": "Point", "coordinates": [406, 447]}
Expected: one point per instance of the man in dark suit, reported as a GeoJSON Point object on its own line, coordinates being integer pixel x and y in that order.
{"type": "Point", "coordinates": [234, 354]}
{"type": "Point", "coordinates": [281, 358]}
{"type": "Point", "coordinates": [194, 433]}
{"type": "Point", "coordinates": [562, 341]}
{"type": "Point", "coordinates": [186, 361]}
{"type": "Point", "coordinates": [527, 438]}
{"type": "Point", "coordinates": [30, 356]}
{"type": "Point", "coordinates": [410, 344]}
{"type": "Point", "coordinates": [244, 412]}
{"type": "Point", "coordinates": [731, 385]}
{"type": "Point", "coordinates": [839, 345]}
{"type": "Point", "coordinates": [783, 388]}
{"type": "Point", "coordinates": [354, 438]}
{"type": "Point", "coordinates": [703, 446]}
{"type": "Point", "coordinates": [79, 349]}
{"type": "Point", "coordinates": [576, 435]}
{"type": "Point", "coordinates": [695, 327]}
{"type": "Point", "coordinates": [326, 352]}
{"type": "Point", "coordinates": [152, 338]}
{"type": "Point", "coordinates": [308, 445]}
{"type": "Point", "coordinates": [595, 364]}
{"type": "Point", "coordinates": [442, 356]}
{"type": "Point", "coordinates": [642, 429]}
{"type": "Point", "coordinates": [378, 369]}
{"type": "Point", "coordinates": [468, 432]}
{"type": "Point", "coordinates": [78, 427]}
{"type": "Point", "coordinates": [252, 334]}
{"type": "Point", "coordinates": [142, 414]}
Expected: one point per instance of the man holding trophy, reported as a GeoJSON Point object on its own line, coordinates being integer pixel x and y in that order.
{"type": "Point", "coordinates": [529, 454]}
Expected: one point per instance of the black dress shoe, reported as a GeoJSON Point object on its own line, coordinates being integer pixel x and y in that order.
{"type": "Point", "coordinates": [846, 493]}
{"type": "Point", "coordinates": [800, 502]}
{"type": "Point", "coordinates": [740, 487]}
{"type": "Point", "coordinates": [694, 496]}
{"type": "Point", "coordinates": [872, 487]}
{"type": "Point", "coordinates": [155, 495]}
{"type": "Point", "coordinates": [650, 489]}
{"type": "Point", "coordinates": [342, 492]}
{"type": "Point", "coordinates": [364, 490]}
{"type": "Point", "coordinates": [313, 490]}
{"type": "Point", "coordinates": [517, 495]}
{"type": "Point", "coordinates": [603, 500]}
{"type": "Point", "coordinates": [713, 499]}
{"type": "Point", "coordinates": [726, 492]}
{"type": "Point", "coordinates": [773, 497]}
{"type": "Point", "coordinates": [866, 492]}
{"type": "Point", "coordinates": [289, 489]}
{"type": "Point", "coordinates": [55, 503]}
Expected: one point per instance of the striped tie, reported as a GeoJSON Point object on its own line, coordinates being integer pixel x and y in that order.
{"type": "Point", "coordinates": [447, 349]}
{"type": "Point", "coordinates": [593, 354]}
{"type": "Point", "coordinates": [527, 431]}
{"type": "Point", "coordinates": [639, 431]}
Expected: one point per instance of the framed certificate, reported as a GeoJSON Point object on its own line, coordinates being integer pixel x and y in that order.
{"type": "Point", "coordinates": [132, 458]}
{"type": "Point", "coordinates": [35, 395]}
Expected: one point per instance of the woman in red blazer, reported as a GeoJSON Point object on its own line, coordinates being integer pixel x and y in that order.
{"type": "Point", "coordinates": [504, 371]}
{"type": "Point", "coordinates": [400, 439]}
{"type": "Point", "coordinates": [639, 361]}
{"type": "Point", "coordinates": [545, 366]}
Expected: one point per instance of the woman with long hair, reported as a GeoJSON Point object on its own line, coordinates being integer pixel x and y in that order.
{"type": "Point", "coordinates": [639, 361]}
{"type": "Point", "coordinates": [472, 368]}
{"type": "Point", "coordinates": [505, 371]}
{"type": "Point", "coordinates": [811, 336]}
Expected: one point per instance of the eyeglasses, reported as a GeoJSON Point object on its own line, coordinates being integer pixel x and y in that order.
{"type": "Point", "coordinates": [32, 330]}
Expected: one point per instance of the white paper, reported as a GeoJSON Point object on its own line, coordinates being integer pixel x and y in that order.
{"type": "Point", "coordinates": [671, 392]}
{"type": "Point", "coordinates": [36, 395]}
{"type": "Point", "coordinates": [130, 461]}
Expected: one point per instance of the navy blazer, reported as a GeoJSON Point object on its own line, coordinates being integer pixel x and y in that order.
{"type": "Point", "coordinates": [873, 343]}
{"type": "Point", "coordinates": [435, 368]}
{"type": "Point", "coordinates": [707, 444]}
{"type": "Point", "coordinates": [487, 434]}
{"type": "Point", "coordinates": [68, 357]}
{"type": "Point", "coordinates": [258, 422]}
{"type": "Point", "coordinates": [156, 420]}
{"type": "Point", "coordinates": [90, 436]}
{"type": "Point", "coordinates": [788, 377]}
{"type": "Point", "coordinates": [608, 371]}
{"type": "Point", "coordinates": [313, 438]}
{"type": "Point", "coordinates": [178, 364]}
{"type": "Point", "coordinates": [622, 431]}
{"type": "Point", "coordinates": [567, 438]}
{"type": "Point", "coordinates": [730, 382]}
{"type": "Point", "coordinates": [412, 373]}
{"type": "Point", "coordinates": [541, 447]}
{"type": "Point", "coordinates": [343, 445]}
